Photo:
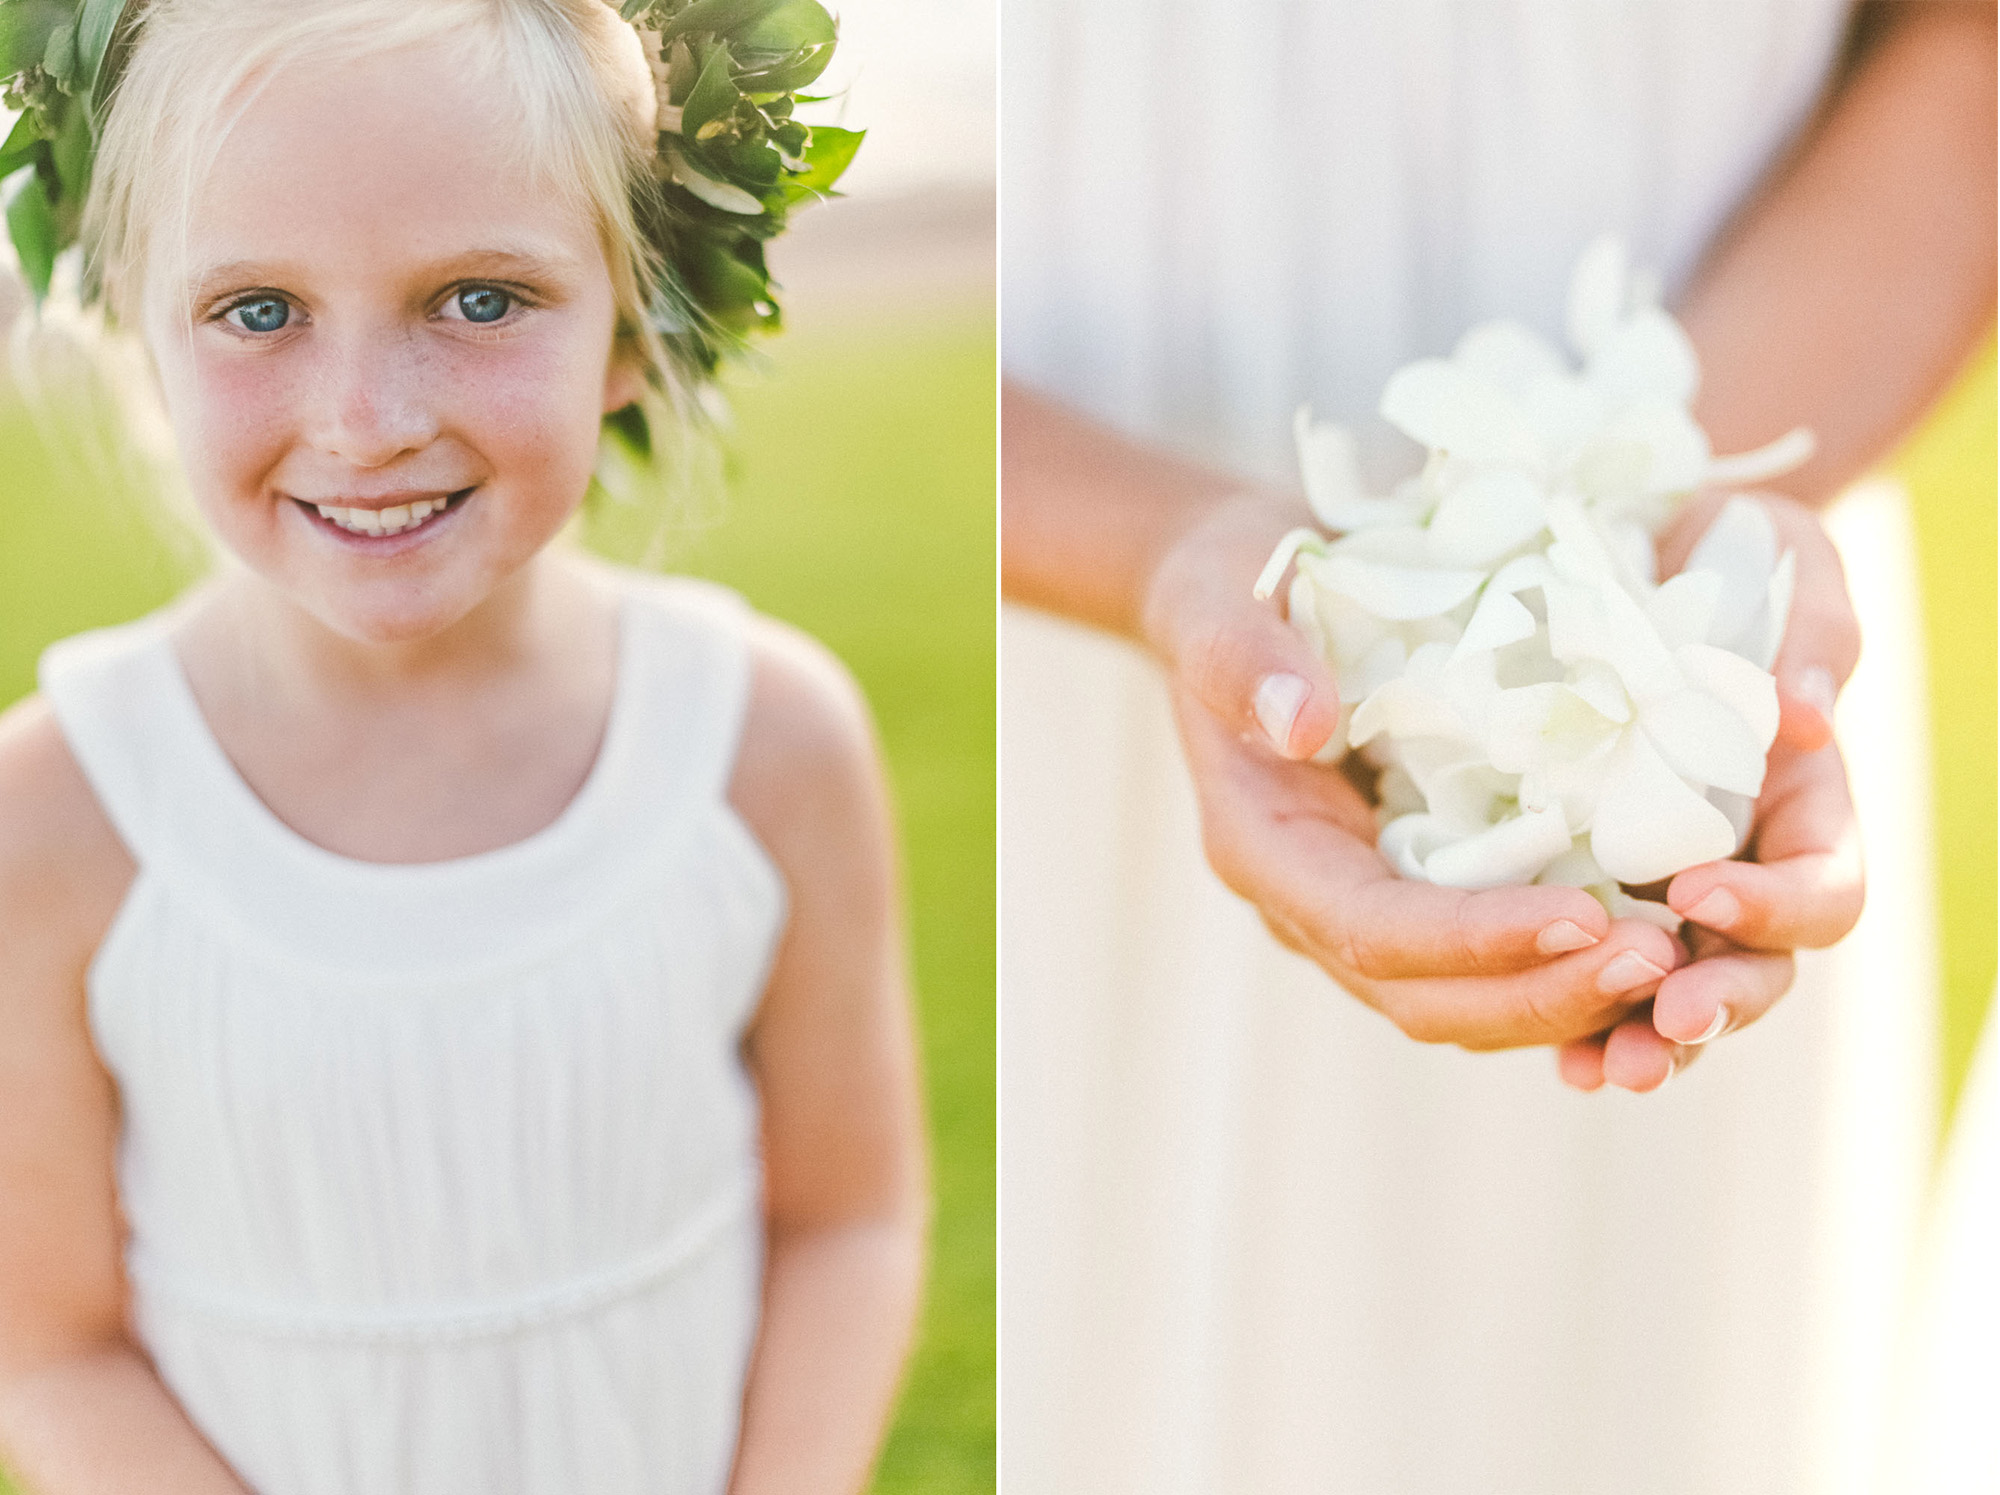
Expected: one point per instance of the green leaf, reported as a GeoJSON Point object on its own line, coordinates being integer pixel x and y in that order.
{"type": "Point", "coordinates": [31, 224]}
{"type": "Point", "coordinates": [25, 28]}
{"type": "Point", "coordinates": [72, 151]}
{"type": "Point", "coordinates": [790, 71]}
{"type": "Point", "coordinates": [715, 15]}
{"type": "Point", "coordinates": [632, 9]}
{"type": "Point", "coordinates": [59, 61]}
{"type": "Point", "coordinates": [788, 26]}
{"type": "Point", "coordinates": [95, 23]}
{"type": "Point", "coordinates": [826, 155]}
{"type": "Point", "coordinates": [714, 95]}
{"type": "Point", "coordinates": [22, 144]}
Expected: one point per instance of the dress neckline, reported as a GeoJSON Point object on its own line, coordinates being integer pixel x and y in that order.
{"type": "Point", "coordinates": [234, 795]}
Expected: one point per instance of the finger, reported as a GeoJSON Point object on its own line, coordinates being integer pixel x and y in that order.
{"type": "Point", "coordinates": [1238, 656]}
{"type": "Point", "coordinates": [1822, 636]}
{"type": "Point", "coordinates": [1637, 1058]}
{"type": "Point", "coordinates": [1256, 672]}
{"type": "Point", "coordinates": [1566, 999]}
{"type": "Point", "coordinates": [1806, 886]}
{"type": "Point", "coordinates": [1580, 1063]}
{"type": "Point", "coordinates": [1296, 840]}
{"type": "Point", "coordinates": [1719, 993]}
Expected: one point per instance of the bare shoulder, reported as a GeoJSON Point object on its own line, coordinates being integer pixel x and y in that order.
{"type": "Point", "coordinates": [808, 778]}
{"type": "Point", "coordinates": [63, 868]}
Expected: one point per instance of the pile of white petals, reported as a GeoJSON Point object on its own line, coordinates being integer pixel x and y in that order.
{"type": "Point", "coordinates": [1541, 707]}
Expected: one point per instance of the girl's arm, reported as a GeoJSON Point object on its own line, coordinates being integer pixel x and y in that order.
{"type": "Point", "coordinates": [1844, 297]}
{"type": "Point", "coordinates": [835, 1064]}
{"type": "Point", "coordinates": [81, 1411]}
{"type": "Point", "coordinates": [1849, 290]}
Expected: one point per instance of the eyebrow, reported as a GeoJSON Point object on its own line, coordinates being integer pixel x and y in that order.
{"type": "Point", "coordinates": [521, 263]}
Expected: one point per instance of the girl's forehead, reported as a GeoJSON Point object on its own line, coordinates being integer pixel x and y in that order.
{"type": "Point", "coordinates": [400, 157]}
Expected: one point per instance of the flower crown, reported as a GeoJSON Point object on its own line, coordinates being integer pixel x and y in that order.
{"type": "Point", "coordinates": [731, 162]}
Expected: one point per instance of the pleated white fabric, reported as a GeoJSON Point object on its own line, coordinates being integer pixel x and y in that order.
{"type": "Point", "coordinates": [1252, 1238]}
{"type": "Point", "coordinates": [444, 1177]}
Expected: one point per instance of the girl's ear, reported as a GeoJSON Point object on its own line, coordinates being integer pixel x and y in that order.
{"type": "Point", "coordinates": [624, 381]}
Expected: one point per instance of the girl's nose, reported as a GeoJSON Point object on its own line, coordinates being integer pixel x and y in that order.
{"type": "Point", "coordinates": [372, 406]}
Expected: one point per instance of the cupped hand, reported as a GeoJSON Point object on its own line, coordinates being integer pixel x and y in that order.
{"type": "Point", "coordinates": [1799, 883]}
{"type": "Point", "coordinates": [1494, 969]}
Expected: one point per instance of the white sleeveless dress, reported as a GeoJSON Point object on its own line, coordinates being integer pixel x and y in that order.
{"type": "Point", "coordinates": [1254, 1239]}
{"type": "Point", "coordinates": [442, 1178]}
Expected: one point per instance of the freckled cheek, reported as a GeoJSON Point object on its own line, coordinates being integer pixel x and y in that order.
{"type": "Point", "coordinates": [235, 421]}
{"type": "Point", "coordinates": [534, 413]}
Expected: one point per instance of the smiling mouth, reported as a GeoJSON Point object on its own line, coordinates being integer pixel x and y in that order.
{"type": "Point", "coordinates": [403, 519]}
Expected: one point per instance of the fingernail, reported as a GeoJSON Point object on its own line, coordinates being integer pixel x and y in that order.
{"type": "Point", "coordinates": [1815, 688]}
{"type": "Point", "coordinates": [1627, 970]}
{"type": "Point", "coordinates": [1279, 698]}
{"type": "Point", "coordinates": [1715, 1026]}
{"type": "Point", "coordinates": [1718, 910]}
{"type": "Point", "coordinates": [1562, 937]}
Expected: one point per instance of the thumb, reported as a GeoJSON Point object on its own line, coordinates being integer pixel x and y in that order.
{"type": "Point", "coordinates": [1822, 638]}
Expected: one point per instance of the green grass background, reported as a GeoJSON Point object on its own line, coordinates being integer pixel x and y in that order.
{"type": "Point", "coordinates": [861, 508]}
{"type": "Point", "coordinates": [1950, 467]}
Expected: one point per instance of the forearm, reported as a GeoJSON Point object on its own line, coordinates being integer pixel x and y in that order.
{"type": "Point", "coordinates": [1852, 288]}
{"type": "Point", "coordinates": [838, 1305]}
{"type": "Point", "coordinates": [99, 1422]}
{"type": "Point", "coordinates": [1087, 516]}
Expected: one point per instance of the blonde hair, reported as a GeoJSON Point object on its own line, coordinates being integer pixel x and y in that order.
{"type": "Point", "coordinates": [575, 74]}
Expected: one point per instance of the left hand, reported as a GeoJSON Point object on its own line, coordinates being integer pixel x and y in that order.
{"type": "Point", "coordinates": [1799, 884]}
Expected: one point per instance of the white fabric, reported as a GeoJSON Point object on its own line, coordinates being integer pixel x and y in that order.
{"type": "Point", "coordinates": [443, 1177]}
{"type": "Point", "coordinates": [1253, 1239]}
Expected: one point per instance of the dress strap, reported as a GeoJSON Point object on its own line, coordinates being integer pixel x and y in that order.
{"type": "Point", "coordinates": [114, 704]}
{"type": "Point", "coordinates": [690, 684]}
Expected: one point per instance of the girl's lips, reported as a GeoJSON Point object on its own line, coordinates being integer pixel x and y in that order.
{"type": "Point", "coordinates": [384, 529]}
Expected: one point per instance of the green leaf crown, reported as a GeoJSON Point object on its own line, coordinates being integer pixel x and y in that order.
{"type": "Point", "coordinates": [732, 161]}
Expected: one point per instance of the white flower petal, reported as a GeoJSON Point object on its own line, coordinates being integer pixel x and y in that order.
{"type": "Point", "coordinates": [1287, 549]}
{"type": "Point", "coordinates": [1596, 293]}
{"type": "Point", "coordinates": [1598, 687]}
{"type": "Point", "coordinates": [1622, 905]}
{"type": "Point", "coordinates": [1749, 693]}
{"type": "Point", "coordinates": [1741, 547]}
{"type": "Point", "coordinates": [1498, 620]}
{"type": "Point", "coordinates": [1791, 450]}
{"type": "Point", "coordinates": [1333, 478]}
{"type": "Point", "coordinates": [1702, 739]}
{"type": "Point", "coordinates": [1676, 448]}
{"type": "Point", "coordinates": [1645, 357]}
{"type": "Point", "coordinates": [1485, 517]}
{"type": "Point", "coordinates": [1512, 852]}
{"type": "Point", "coordinates": [1564, 411]}
{"type": "Point", "coordinates": [1405, 708]}
{"type": "Point", "coordinates": [1777, 610]}
{"type": "Point", "coordinates": [1575, 868]}
{"type": "Point", "coordinates": [1683, 608]}
{"type": "Point", "coordinates": [1398, 593]}
{"type": "Point", "coordinates": [1649, 824]}
{"type": "Point", "coordinates": [1444, 407]}
{"type": "Point", "coordinates": [1407, 840]}
{"type": "Point", "coordinates": [1740, 809]}
{"type": "Point", "coordinates": [1508, 355]}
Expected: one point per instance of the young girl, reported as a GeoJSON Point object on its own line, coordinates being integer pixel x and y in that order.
{"type": "Point", "coordinates": [452, 1018]}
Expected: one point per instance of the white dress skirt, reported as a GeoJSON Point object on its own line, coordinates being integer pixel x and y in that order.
{"type": "Point", "coordinates": [1252, 1238]}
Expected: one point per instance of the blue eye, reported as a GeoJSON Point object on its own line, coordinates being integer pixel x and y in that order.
{"type": "Point", "coordinates": [483, 304]}
{"type": "Point", "coordinates": [264, 314]}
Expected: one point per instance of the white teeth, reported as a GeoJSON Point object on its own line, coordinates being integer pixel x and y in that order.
{"type": "Point", "coordinates": [383, 521]}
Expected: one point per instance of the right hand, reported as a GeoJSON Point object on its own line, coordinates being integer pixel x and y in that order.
{"type": "Point", "coordinates": [1486, 970]}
